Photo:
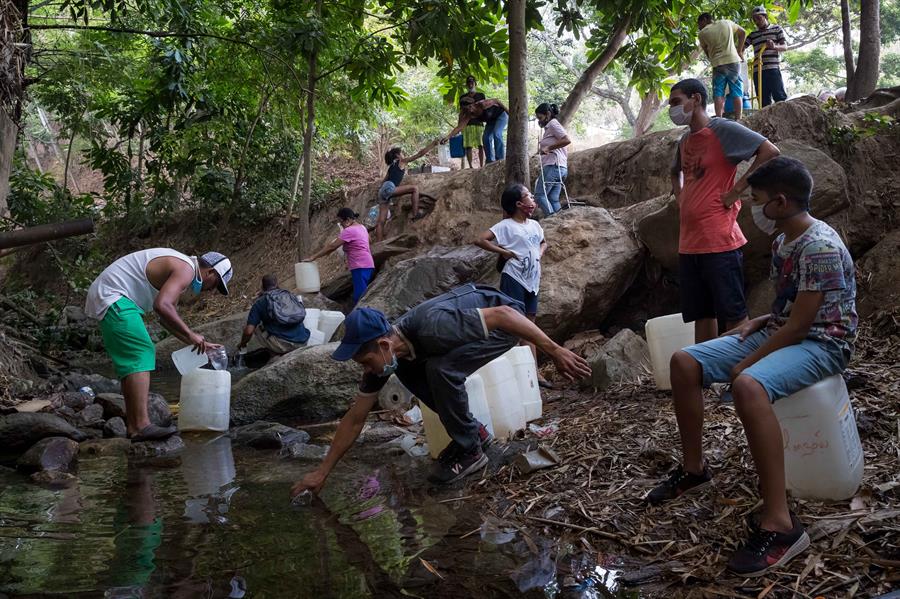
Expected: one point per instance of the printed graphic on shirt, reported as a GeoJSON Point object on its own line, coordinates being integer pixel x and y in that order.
{"type": "Point", "coordinates": [524, 240]}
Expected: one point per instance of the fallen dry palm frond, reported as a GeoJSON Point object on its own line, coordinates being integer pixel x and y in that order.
{"type": "Point", "coordinates": [616, 445]}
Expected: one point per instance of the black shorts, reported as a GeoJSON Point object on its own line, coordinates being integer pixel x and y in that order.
{"type": "Point", "coordinates": [712, 286]}
{"type": "Point", "coordinates": [511, 287]}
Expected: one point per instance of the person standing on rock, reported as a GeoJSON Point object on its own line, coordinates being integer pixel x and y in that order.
{"type": "Point", "coordinates": [354, 239]}
{"type": "Point", "coordinates": [554, 159]}
{"type": "Point", "coordinates": [768, 42]}
{"type": "Point", "coordinates": [725, 56]}
{"type": "Point", "coordinates": [276, 319]}
{"type": "Point", "coordinates": [495, 117]}
{"type": "Point", "coordinates": [807, 337]}
{"type": "Point", "coordinates": [391, 187]}
{"type": "Point", "coordinates": [129, 288]}
{"type": "Point", "coordinates": [432, 349]}
{"type": "Point", "coordinates": [519, 240]}
{"type": "Point", "coordinates": [474, 131]}
{"type": "Point", "coordinates": [710, 262]}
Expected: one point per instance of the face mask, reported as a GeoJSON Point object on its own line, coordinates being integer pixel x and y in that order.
{"type": "Point", "coordinates": [197, 286]}
{"type": "Point", "coordinates": [763, 222]}
{"type": "Point", "coordinates": [679, 116]}
{"type": "Point", "coordinates": [389, 369]}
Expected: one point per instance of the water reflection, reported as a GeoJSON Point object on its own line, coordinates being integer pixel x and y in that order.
{"type": "Point", "coordinates": [208, 470]}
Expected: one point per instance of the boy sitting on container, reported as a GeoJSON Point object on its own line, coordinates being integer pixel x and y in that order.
{"type": "Point", "coordinates": [808, 336]}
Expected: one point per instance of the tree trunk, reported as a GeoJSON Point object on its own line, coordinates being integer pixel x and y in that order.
{"type": "Point", "coordinates": [847, 40]}
{"type": "Point", "coordinates": [517, 133]}
{"type": "Point", "coordinates": [650, 107]}
{"type": "Point", "coordinates": [865, 79]}
{"type": "Point", "coordinates": [295, 188]}
{"type": "Point", "coordinates": [140, 162]}
{"type": "Point", "coordinates": [303, 243]}
{"type": "Point", "coordinates": [66, 167]}
{"type": "Point", "coordinates": [586, 81]}
{"type": "Point", "coordinates": [242, 159]}
{"type": "Point", "coordinates": [8, 134]}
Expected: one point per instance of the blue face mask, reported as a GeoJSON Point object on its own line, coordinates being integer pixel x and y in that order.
{"type": "Point", "coordinates": [197, 286]}
{"type": "Point", "coordinates": [389, 369]}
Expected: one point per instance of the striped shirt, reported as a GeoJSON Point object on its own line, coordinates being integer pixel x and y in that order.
{"type": "Point", "coordinates": [758, 39]}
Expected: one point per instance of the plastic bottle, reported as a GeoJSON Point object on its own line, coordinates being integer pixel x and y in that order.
{"type": "Point", "coordinates": [665, 336]}
{"type": "Point", "coordinates": [205, 400]}
{"type": "Point", "coordinates": [307, 277]}
{"type": "Point", "coordinates": [522, 360]}
{"type": "Point", "coordinates": [311, 321]}
{"type": "Point", "coordinates": [88, 392]}
{"type": "Point", "coordinates": [502, 392]}
{"type": "Point", "coordinates": [218, 357]}
{"type": "Point", "coordinates": [186, 359]}
{"type": "Point", "coordinates": [823, 457]}
{"type": "Point", "coordinates": [329, 321]}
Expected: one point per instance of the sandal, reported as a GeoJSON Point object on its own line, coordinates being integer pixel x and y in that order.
{"type": "Point", "coordinates": [152, 432]}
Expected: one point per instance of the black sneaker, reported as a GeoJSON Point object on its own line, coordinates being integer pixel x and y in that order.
{"type": "Point", "coordinates": [679, 482]}
{"type": "Point", "coordinates": [766, 549]}
{"type": "Point", "coordinates": [460, 465]}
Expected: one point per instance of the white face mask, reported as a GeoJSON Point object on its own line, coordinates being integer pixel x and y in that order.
{"type": "Point", "coordinates": [763, 222]}
{"type": "Point", "coordinates": [679, 116]}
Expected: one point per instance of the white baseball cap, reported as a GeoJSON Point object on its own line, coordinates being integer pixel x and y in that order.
{"type": "Point", "coordinates": [222, 266]}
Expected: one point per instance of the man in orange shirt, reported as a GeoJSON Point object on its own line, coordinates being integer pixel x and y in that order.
{"type": "Point", "coordinates": [711, 267]}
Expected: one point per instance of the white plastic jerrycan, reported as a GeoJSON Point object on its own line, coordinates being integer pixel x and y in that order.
{"type": "Point", "coordinates": [311, 321]}
{"type": "Point", "coordinates": [306, 275]}
{"type": "Point", "coordinates": [205, 402]}
{"type": "Point", "coordinates": [329, 321]}
{"type": "Point", "coordinates": [436, 434]}
{"type": "Point", "coordinates": [315, 338]}
{"type": "Point", "coordinates": [665, 336]}
{"type": "Point", "coordinates": [522, 360]}
{"type": "Point", "coordinates": [478, 403]}
{"type": "Point", "coordinates": [823, 457]}
{"type": "Point", "coordinates": [186, 359]}
{"type": "Point", "coordinates": [502, 394]}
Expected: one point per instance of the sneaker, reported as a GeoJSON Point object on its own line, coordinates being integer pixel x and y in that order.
{"type": "Point", "coordinates": [766, 549]}
{"type": "Point", "coordinates": [460, 465]}
{"type": "Point", "coordinates": [484, 437]}
{"type": "Point", "coordinates": [679, 482]}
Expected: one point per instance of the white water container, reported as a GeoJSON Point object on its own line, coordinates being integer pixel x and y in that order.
{"type": "Point", "coordinates": [186, 359]}
{"type": "Point", "coordinates": [823, 457]}
{"type": "Point", "coordinates": [435, 433]}
{"type": "Point", "coordinates": [329, 321]}
{"type": "Point", "coordinates": [315, 338]}
{"type": "Point", "coordinates": [522, 360]}
{"type": "Point", "coordinates": [306, 275]}
{"type": "Point", "coordinates": [207, 465]}
{"type": "Point", "coordinates": [502, 392]}
{"type": "Point", "coordinates": [665, 336]}
{"type": "Point", "coordinates": [205, 401]}
{"type": "Point", "coordinates": [311, 321]}
{"type": "Point", "coordinates": [478, 403]}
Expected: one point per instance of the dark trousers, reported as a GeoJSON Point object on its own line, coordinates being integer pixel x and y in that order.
{"type": "Point", "coordinates": [441, 383]}
{"type": "Point", "coordinates": [772, 86]}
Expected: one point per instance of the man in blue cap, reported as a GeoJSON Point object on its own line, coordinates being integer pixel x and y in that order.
{"type": "Point", "coordinates": [432, 349]}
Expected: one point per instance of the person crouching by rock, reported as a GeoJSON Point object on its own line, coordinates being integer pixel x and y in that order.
{"type": "Point", "coordinates": [354, 238]}
{"type": "Point", "coordinates": [276, 319]}
{"type": "Point", "coordinates": [130, 287]}
{"type": "Point", "coordinates": [520, 242]}
{"type": "Point", "coordinates": [432, 349]}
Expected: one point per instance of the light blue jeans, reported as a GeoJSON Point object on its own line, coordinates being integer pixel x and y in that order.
{"type": "Point", "coordinates": [781, 373]}
{"type": "Point", "coordinates": [551, 177]}
{"type": "Point", "coordinates": [492, 138]}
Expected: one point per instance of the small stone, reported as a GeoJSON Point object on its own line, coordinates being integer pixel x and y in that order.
{"type": "Point", "coordinates": [625, 357]}
{"type": "Point", "coordinates": [51, 453]}
{"type": "Point", "coordinates": [157, 408]}
{"type": "Point", "coordinates": [99, 383]}
{"type": "Point", "coordinates": [73, 315]}
{"type": "Point", "coordinates": [113, 404]}
{"type": "Point", "coordinates": [115, 427]}
{"type": "Point", "coordinates": [150, 449]}
{"type": "Point", "coordinates": [304, 451]}
{"type": "Point", "coordinates": [268, 435]}
{"type": "Point", "coordinates": [104, 447]}
{"type": "Point", "coordinates": [54, 479]}
{"type": "Point", "coordinates": [91, 414]}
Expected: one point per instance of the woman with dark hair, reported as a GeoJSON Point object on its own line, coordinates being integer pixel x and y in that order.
{"type": "Point", "coordinates": [554, 158]}
{"type": "Point", "coordinates": [495, 117]}
{"type": "Point", "coordinates": [519, 240]}
{"type": "Point", "coordinates": [354, 239]}
{"type": "Point", "coordinates": [391, 187]}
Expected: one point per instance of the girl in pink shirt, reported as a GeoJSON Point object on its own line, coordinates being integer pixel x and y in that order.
{"type": "Point", "coordinates": [354, 239]}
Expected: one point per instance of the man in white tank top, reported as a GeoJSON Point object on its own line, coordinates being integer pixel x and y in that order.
{"type": "Point", "coordinates": [130, 287]}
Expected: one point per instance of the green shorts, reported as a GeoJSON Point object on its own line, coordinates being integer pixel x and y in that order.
{"type": "Point", "coordinates": [472, 136]}
{"type": "Point", "coordinates": [126, 339]}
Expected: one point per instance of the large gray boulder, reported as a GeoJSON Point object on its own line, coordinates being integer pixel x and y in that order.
{"type": "Point", "coordinates": [590, 262]}
{"type": "Point", "coordinates": [410, 281]}
{"type": "Point", "coordinates": [305, 384]}
{"type": "Point", "coordinates": [877, 276]}
{"type": "Point", "coordinates": [20, 431]}
{"type": "Point", "coordinates": [659, 230]}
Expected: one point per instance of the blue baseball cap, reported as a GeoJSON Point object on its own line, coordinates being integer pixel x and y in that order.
{"type": "Point", "coordinates": [361, 326]}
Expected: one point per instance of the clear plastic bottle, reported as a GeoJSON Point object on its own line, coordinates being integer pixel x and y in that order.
{"type": "Point", "coordinates": [88, 392]}
{"type": "Point", "coordinates": [218, 357]}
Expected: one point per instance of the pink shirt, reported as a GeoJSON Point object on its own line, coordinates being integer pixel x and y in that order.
{"type": "Point", "coordinates": [554, 133]}
{"type": "Point", "coordinates": [356, 247]}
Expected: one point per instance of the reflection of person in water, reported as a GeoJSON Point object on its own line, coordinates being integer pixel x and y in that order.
{"type": "Point", "coordinates": [138, 531]}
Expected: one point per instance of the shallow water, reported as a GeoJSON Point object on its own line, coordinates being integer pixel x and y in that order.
{"type": "Point", "coordinates": [216, 522]}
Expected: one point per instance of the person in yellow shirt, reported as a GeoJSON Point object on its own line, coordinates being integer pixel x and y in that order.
{"type": "Point", "coordinates": [717, 39]}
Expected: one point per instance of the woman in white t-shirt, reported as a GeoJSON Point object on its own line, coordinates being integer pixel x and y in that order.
{"type": "Point", "coordinates": [554, 159]}
{"type": "Point", "coordinates": [519, 240]}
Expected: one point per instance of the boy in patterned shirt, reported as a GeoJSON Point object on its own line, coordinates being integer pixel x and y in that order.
{"type": "Point", "coordinates": [808, 336]}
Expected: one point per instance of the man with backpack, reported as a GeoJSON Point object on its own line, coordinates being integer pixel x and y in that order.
{"type": "Point", "coordinates": [276, 319]}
